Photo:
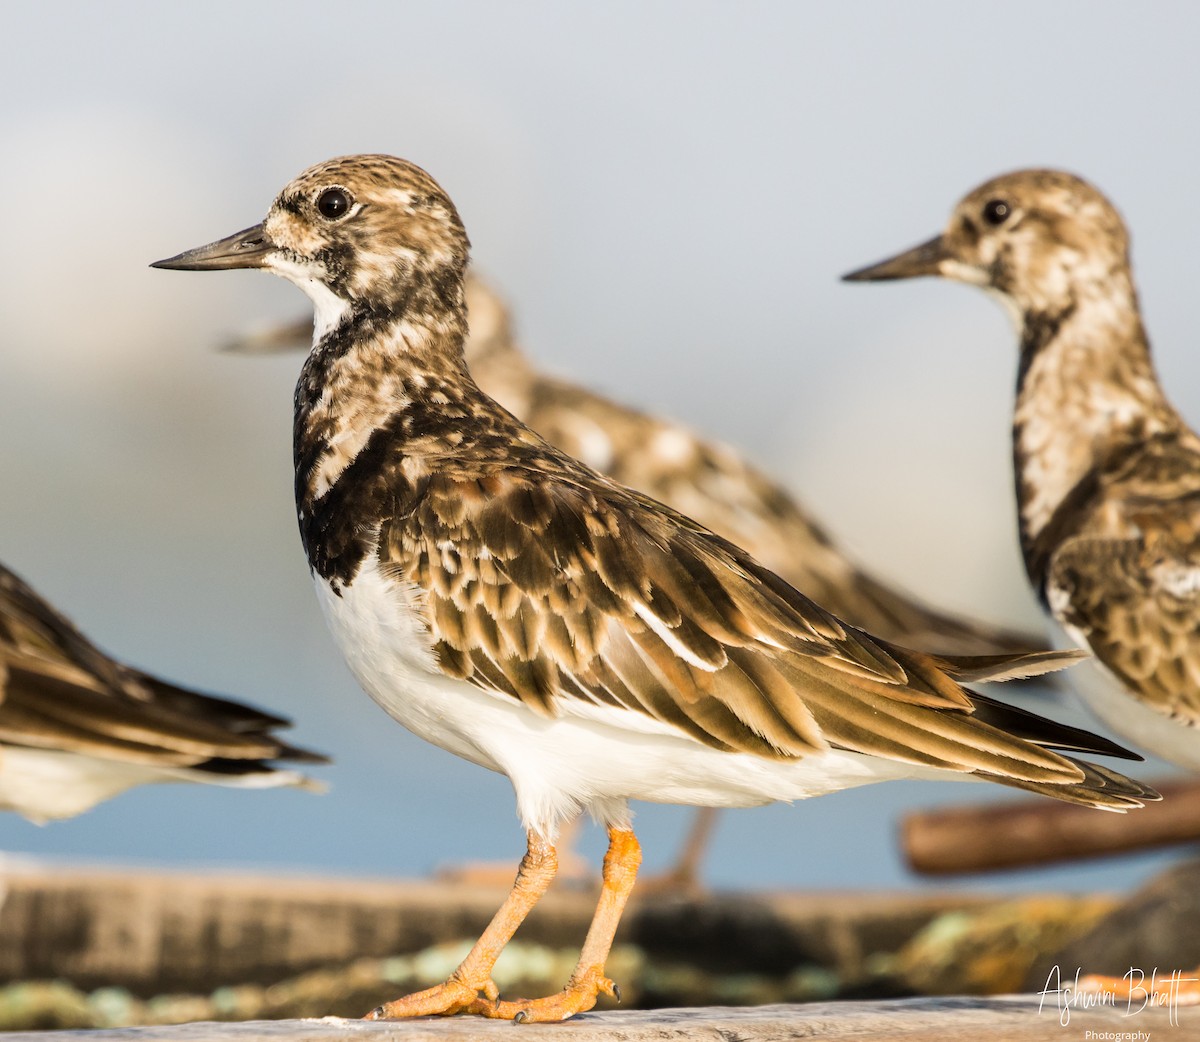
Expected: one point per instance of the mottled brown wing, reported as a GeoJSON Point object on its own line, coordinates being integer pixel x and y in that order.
{"type": "Point", "coordinates": [29, 626]}
{"type": "Point", "coordinates": [720, 489]}
{"type": "Point", "coordinates": [552, 591]}
{"type": "Point", "coordinates": [1137, 603]}
{"type": "Point", "coordinates": [1129, 579]}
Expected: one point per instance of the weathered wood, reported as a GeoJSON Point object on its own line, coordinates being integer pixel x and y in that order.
{"type": "Point", "coordinates": [155, 932]}
{"type": "Point", "coordinates": [984, 838]}
{"type": "Point", "coordinates": [1022, 1018]}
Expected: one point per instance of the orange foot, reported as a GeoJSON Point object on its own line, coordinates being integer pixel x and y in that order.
{"type": "Point", "coordinates": [455, 996]}
{"type": "Point", "coordinates": [1170, 989]}
{"type": "Point", "coordinates": [577, 997]}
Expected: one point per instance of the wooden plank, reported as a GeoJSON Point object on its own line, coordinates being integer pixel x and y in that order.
{"type": "Point", "coordinates": [156, 932]}
{"type": "Point", "coordinates": [1028, 833]}
{"type": "Point", "coordinates": [1001, 1019]}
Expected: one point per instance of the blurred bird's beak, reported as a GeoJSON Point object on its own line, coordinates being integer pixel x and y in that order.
{"type": "Point", "coordinates": [274, 340]}
{"type": "Point", "coordinates": [926, 259]}
{"type": "Point", "coordinates": [245, 249]}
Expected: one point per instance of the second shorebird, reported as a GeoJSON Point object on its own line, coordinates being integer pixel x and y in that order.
{"type": "Point", "coordinates": [519, 609]}
{"type": "Point", "coordinates": [1107, 472]}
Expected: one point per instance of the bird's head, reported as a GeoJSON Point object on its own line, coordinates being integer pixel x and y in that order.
{"type": "Point", "coordinates": [1042, 239]}
{"type": "Point", "coordinates": [355, 233]}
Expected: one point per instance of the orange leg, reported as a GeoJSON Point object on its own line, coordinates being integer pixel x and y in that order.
{"type": "Point", "coordinates": [470, 988]}
{"type": "Point", "coordinates": [588, 980]}
{"type": "Point", "coordinates": [1136, 989]}
{"type": "Point", "coordinates": [572, 868]}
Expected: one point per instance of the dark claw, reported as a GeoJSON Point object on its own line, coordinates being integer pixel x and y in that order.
{"type": "Point", "coordinates": [617, 993]}
{"type": "Point", "coordinates": [521, 1017]}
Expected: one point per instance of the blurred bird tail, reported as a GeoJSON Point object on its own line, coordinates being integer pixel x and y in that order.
{"type": "Point", "coordinates": [976, 669]}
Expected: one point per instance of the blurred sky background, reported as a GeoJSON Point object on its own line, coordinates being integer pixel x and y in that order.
{"type": "Point", "coordinates": [666, 194]}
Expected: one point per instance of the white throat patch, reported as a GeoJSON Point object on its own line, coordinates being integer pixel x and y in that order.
{"type": "Point", "coordinates": [328, 308]}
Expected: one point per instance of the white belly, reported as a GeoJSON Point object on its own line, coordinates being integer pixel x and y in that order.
{"type": "Point", "coordinates": [46, 784]}
{"type": "Point", "coordinates": [588, 757]}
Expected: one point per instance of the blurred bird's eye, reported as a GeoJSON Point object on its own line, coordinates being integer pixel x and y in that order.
{"type": "Point", "coordinates": [996, 211]}
{"type": "Point", "coordinates": [334, 203]}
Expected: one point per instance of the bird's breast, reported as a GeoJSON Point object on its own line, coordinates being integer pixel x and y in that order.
{"type": "Point", "coordinates": [378, 623]}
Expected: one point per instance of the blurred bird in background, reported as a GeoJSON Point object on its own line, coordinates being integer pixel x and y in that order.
{"type": "Point", "coordinates": [78, 727]}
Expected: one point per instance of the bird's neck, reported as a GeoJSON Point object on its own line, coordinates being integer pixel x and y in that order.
{"type": "Point", "coordinates": [381, 397]}
{"type": "Point", "coordinates": [1086, 392]}
{"type": "Point", "coordinates": [506, 374]}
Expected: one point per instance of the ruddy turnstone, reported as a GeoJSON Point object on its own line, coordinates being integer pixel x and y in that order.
{"type": "Point", "coordinates": [77, 727]}
{"type": "Point", "coordinates": [707, 481]}
{"type": "Point", "coordinates": [519, 609]}
{"type": "Point", "coordinates": [1107, 472]}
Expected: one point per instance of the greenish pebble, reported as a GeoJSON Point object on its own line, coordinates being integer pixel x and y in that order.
{"type": "Point", "coordinates": [946, 929]}
{"type": "Point", "coordinates": [113, 1006]}
{"type": "Point", "coordinates": [811, 984]}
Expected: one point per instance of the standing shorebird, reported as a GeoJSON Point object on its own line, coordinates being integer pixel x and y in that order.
{"type": "Point", "coordinates": [708, 482]}
{"type": "Point", "coordinates": [1107, 472]}
{"type": "Point", "coordinates": [77, 727]}
{"type": "Point", "coordinates": [517, 608]}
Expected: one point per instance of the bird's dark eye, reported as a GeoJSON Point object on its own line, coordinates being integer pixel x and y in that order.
{"type": "Point", "coordinates": [334, 203]}
{"type": "Point", "coordinates": [996, 211]}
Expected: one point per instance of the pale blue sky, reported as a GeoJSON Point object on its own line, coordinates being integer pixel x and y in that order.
{"type": "Point", "coordinates": [666, 193]}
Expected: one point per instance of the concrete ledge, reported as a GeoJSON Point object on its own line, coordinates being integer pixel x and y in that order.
{"type": "Point", "coordinates": [1016, 1018]}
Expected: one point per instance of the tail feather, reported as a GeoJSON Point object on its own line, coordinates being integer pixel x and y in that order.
{"type": "Point", "coordinates": [1101, 788]}
{"type": "Point", "coordinates": [1043, 731]}
{"type": "Point", "coordinates": [893, 613]}
{"type": "Point", "coordinates": [251, 774]}
{"type": "Point", "coordinates": [975, 669]}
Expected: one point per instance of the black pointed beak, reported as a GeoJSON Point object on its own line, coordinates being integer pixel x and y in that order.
{"type": "Point", "coordinates": [244, 249]}
{"type": "Point", "coordinates": [926, 259]}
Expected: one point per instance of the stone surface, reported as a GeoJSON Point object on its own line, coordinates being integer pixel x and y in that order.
{"type": "Point", "coordinates": [1014, 1018]}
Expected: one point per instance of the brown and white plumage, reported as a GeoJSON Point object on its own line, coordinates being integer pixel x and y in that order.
{"type": "Point", "coordinates": [1107, 472]}
{"type": "Point", "coordinates": [77, 726]}
{"type": "Point", "coordinates": [521, 610]}
{"type": "Point", "coordinates": [705, 480]}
